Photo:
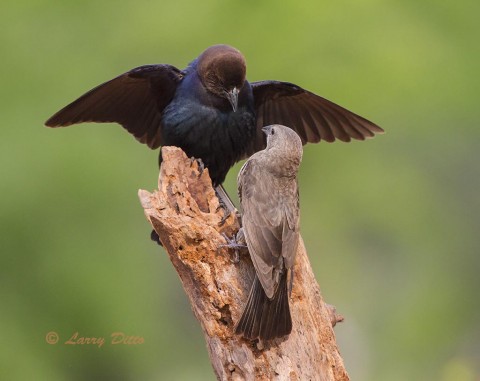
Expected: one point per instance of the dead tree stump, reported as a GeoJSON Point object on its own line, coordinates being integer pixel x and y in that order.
{"type": "Point", "coordinates": [184, 214]}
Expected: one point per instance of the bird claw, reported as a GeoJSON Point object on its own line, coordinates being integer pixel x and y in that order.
{"type": "Point", "coordinates": [224, 203]}
{"type": "Point", "coordinates": [232, 243]}
{"type": "Point", "coordinates": [155, 238]}
{"type": "Point", "coordinates": [201, 165]}
{"type": "Point", "coordinates": [226, 213]}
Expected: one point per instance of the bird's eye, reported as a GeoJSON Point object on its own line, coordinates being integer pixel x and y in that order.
{"type": "Point", "coordinates": [273, 131]}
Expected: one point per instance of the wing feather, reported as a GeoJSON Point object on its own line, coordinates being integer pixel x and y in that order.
{"type": "Point", "coordinates": [270, 220]}
{"type": "Point", "coordinates": [135, 100]}
{"type": "Point", "coordinates": [314, 118]}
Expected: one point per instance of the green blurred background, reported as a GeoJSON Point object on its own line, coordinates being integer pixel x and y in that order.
{"type": "Point", "coordinates": [391, 225]}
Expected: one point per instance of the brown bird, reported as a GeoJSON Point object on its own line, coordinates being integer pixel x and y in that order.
{"type": "Point", "coordinates": [268, 191]}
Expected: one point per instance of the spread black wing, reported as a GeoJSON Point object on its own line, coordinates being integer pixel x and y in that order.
{"type": "Point", "coordinates": [314, 118]}
{"type": "Point", "coordinates": [134, 99]}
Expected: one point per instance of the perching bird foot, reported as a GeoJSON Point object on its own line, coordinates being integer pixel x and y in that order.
{"type": "Point", "coordinates": [224, 203]}
{"type": "Point", "coordinates": [237, 243]}
{"type": "Point", "coordinates": [155, 238]}
{"type": "Point", "coordinates": [201, 165]}
{"type": "Point", "coordinates": [226, 212]}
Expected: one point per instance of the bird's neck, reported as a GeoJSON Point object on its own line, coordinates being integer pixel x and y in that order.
{"type": "Point", "coordinates": [279, 165]}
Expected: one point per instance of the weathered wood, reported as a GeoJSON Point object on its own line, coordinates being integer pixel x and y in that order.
{"type": "Point", "coordinates": [184, 214]}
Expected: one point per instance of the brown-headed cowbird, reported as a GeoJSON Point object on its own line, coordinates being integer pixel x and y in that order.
{"type": "Point", "coordinates": [210, 110]}
{"type": "Point", "coordinates": [268, 191]}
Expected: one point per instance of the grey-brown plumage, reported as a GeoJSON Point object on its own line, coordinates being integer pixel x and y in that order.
{"type": "Point", "coordinates": [268, 190]}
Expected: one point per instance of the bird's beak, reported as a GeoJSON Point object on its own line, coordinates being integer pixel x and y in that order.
{"type": "Point", "coordinates": [232, 97]}
{"type": "Point", "coordinates": [266, 130]}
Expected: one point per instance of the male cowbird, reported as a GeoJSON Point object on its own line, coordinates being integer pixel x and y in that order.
{"type": "Point", "coordinates": [268, 191]}
{"type": "Point", "coordinates": [210, 110]}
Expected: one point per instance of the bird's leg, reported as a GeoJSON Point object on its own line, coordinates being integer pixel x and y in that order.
{"type": "Point", "coordinates": [160, 158]}
{"type": "Point", "coordinates": [225, 203]}
{"type": "Point", "coordinates": [290, 284]}
{"type": "Point", "coordinates": [237, 243]}
{"type": "Point", "coordinates": [153, 234]}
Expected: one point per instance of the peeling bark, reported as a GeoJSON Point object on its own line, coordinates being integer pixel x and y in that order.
{"type": "Point", "coordinates": [184, 214]}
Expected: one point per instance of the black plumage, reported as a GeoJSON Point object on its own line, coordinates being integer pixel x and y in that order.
{"type": "Point", "coordinates": [210, 110]}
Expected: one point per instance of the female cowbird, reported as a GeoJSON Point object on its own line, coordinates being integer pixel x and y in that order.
{"type": "Point", "coordinates": [268, 191]}
{"type": "Point", "coordinates": [210, 110]}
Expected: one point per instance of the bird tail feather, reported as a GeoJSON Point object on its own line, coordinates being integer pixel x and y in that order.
{"type": "Point", "coordinates": [266, 318]}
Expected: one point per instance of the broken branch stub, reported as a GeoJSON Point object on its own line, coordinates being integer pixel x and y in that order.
{"type": "Point", "coordinates": [185, 214]}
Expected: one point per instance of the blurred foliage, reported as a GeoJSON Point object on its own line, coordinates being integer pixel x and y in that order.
{"type": "Point", "coordinates": [391, 225]}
